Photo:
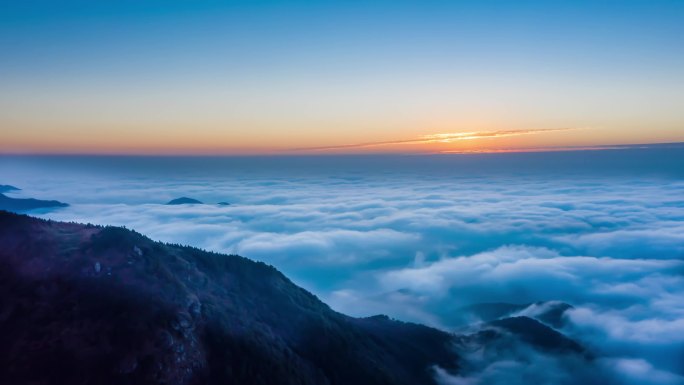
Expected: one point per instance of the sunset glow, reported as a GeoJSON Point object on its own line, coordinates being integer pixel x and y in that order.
{"type": "Point", "coordinates": [391, 77]}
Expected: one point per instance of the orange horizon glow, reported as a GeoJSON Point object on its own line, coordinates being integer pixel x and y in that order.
{"type": "Point", "coordinates": [463, 142]}
{"type": "Point", "coordinates": [252, 79]}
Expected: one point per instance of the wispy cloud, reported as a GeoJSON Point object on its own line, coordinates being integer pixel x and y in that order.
{"type": "Point", "coordinates": [536, 149]}
{"type": "Point", "coordinates": [448, 137]}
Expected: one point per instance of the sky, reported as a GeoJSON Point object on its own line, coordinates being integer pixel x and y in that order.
{"type": "Point", "coordinates": [304, 77]}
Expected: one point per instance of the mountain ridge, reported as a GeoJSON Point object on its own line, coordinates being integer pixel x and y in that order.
{"type": "Point", "coordinates": [26, 204]}
{"type": "Point", "coordinates": [84, 303]}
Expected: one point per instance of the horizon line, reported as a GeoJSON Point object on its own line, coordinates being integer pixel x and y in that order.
{"type": "Point", "coordinates": [289, 153]}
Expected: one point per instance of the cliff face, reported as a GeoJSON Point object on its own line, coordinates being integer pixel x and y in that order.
{"type": "Point", "coordinates": [87, 304]}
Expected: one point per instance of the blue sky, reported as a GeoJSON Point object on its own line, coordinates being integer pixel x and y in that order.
{"type": "Point", "coordinates": [268, 76]}
{"type": "Point", "coordinates": [150, 37]}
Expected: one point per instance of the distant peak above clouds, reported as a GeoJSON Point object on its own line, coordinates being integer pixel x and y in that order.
{"type": "Point", "coordinates": [184, 201]}
{"type": "Point", "coordinates": [20, 205]}
{"type": "Point", "coordinates": [8, 188]}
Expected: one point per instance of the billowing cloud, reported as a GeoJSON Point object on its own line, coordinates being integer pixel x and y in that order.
{"type": "Point", "coordinates": [519, 274]}
{"type": "Point", "coordinates": [420, 242]}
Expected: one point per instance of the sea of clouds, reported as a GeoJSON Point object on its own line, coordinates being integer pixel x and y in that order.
{"type": "Point", "coordinates": [419, 242]}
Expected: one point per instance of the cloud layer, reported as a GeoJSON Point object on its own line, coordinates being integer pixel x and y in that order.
{"type": "Point", "coordinates": [420, 244]}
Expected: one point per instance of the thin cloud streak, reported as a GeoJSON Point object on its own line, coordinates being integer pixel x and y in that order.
{"type": "Point", "coordinates": [538, 149]}
{"type": "Point", "coordinates": [439, 138]}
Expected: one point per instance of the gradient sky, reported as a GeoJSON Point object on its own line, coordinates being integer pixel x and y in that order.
{"type": "Point", "coordinates": [271, 76]}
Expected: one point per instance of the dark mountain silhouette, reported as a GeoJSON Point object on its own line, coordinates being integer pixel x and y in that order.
{"type": "Point", "coordinates": [183, 201]}
{"type": "Point", "coordinates": [522, 350]}
{"type": "Point", "coordinates": [83, 304]}
{"type": "Point", "coordinates": [538, 335]}
{"type": "Point", "coordinates": [223, 204]}
{"type": "Point", "coordinates": [7, 188]}
{"type": "Point", "coordinates": [22, 205]}
{"type": "Point", "coordinates": [550, 312]}
{"type": "Point", "coordinates": [511, 333]}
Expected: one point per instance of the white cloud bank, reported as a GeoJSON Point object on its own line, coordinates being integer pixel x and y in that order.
{"type": "Point", "coordinates": [418, 245]}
